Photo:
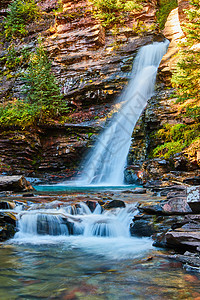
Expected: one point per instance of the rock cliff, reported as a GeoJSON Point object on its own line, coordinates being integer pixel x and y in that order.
{"type": "Point", "coordinates": [92, 65]}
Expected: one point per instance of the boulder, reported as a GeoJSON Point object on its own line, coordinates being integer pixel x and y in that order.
{"type": "Point", "coordinates": [142, 228]}
{"type": "Point", "coordinates": [91, 204]}
{"type": "Point", "coordinates": [183, 239]}
{"type": "Point", "coordinates": [174, 206]}
{"type": "Point", "coordinates": [148, 225]}
{"type": "Point", "coordinates": [15, 183]}
{"type": "Point", "coordinates": [114, 204]}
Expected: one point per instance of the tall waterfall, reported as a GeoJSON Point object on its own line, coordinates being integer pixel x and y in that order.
{"type": "Point", "coordinates": [106, 162]}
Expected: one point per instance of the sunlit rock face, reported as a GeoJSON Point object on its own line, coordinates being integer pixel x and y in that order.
{"type": "Point", "coordinates": [182, 4]}
{"type": "Point", "coordinates": [174, 33]}
{"type": "Point", "coordinates": [94, 64]}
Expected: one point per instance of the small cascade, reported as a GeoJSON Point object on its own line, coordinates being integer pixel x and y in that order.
{"type": "Point", "coordinates": [106, 162]}
{"type": "Point", "coordinates": [36, 223]}
{"type": "Point", "coordinates": [76, 220]}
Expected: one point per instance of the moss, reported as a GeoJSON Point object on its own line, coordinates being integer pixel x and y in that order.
{"type": "Point", "coordinates": [175, 139]}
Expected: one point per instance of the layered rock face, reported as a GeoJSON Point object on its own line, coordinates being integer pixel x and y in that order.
{"type": "Point", "coordinates": [92, 66]}
{"type": "Point", "coordinates": [50, 150]}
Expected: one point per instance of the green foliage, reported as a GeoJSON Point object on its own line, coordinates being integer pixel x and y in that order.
{"type": "Point", "coordinates": [43, 100]}
{"type": "Point", "coordinates": [175, 138]}
{"type": "Point", "coordinates": [19, 113]}
{"type": "Point", "coordinates": [142, 28]}
{"type": "Point", "coordinates": [13, 60]}
{"type": "Point", "coordinates": [186, 77]}
{"type": "Point", "coordinates": [186, 80]}
{"type": "Point", "coordinates": [166, 6]}
{"type": "Point", "coordinates": [109, 11]}
{"type": "Point", "coordinates": [41, 86]}
{"type": "Point", "coordinates": [168, 149]}
{"type": "Point", "coordinates": [20, 13]}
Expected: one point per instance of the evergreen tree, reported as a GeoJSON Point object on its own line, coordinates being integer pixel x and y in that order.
{"type": "Point", "coordinates": [41, 88]}
{"type": "Point", "coordinates": [186, 77]}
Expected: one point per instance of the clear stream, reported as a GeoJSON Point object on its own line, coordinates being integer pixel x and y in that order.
{"type": "Point", "coordinates": [98, 260]}
{"type": "Point", "coordinates": [101, 269]}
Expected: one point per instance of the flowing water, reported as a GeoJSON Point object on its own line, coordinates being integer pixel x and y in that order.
{"type": "Point", "coordinates": [70, 252]}
{"type": "Point", "coordinates": [105, 164]}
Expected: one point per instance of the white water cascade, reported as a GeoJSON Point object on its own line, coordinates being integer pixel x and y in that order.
{"type": "Point", "coordinates": [102, 232]}
{"type": "Point", "coordinates": [76, 220]}
{"type": "Point", "coordinates": [106, 162]}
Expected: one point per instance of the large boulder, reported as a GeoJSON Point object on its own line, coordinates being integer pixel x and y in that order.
{"type": "Point", "coordinates": [15, 183]}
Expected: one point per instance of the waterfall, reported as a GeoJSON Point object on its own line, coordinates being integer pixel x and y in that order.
{"type": "Point", "coordinates": [106, 162]}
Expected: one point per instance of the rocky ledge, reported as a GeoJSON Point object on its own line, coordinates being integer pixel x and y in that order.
{"type": "Point", "coordinates": [174, 223]}
{"type": "Point", "coordinates": [15, 183]}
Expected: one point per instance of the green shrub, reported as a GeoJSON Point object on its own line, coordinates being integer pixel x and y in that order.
{"type": "Point", "coordinates": [175, 138]}
{"type": "Point", "coordinates": [110, 11]}
{"type": "Point", "coordinates": [20, 13]}
{"type": "Point", "coordinates": [168, 149]}
{"type": "Point", "coordinates": [19, 113]}
{"type": "Point", "coordinates": [13, 61]}
{"type": "Point", "coordinates": [186, 77]}
{"type": "Point", "coordinates": [165, 7]}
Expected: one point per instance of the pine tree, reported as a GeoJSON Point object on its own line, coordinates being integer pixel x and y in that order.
{"type": "Point", "coordinates": [41, 87]}
{"type": "Point", "coordinates": [186, 77]}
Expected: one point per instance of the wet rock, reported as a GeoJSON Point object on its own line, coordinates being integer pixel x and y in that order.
{"type": "Point", "coordinates": [114, 204]}
{"type": "Point", "coordinates": [56, 225]}
{"type": "Point", "coordinates": [7, 205]}
{"type": "Point", "coordinates": [7, 225]}
{"type": "Point", "coordinates": [155, 168]}
{"type": "Point", "coordinates": [139, 191]}
{"type": "Point", "coordinates": [14, 183]}
{"type": "Point", "coordinates": [148, 225]}
{"type": "Point", "coordinates": [91, 204]}
{"type": "Point", "coordinates": [183, 239]}
{"type": "Point", "coordinates": [142, 228]}
{"type": "Point", "coordinates": [175, 206]}
{"type": "Point", "coordinates": [193, 180]}
{"type": "Point", "coordinates": [132, 174]}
